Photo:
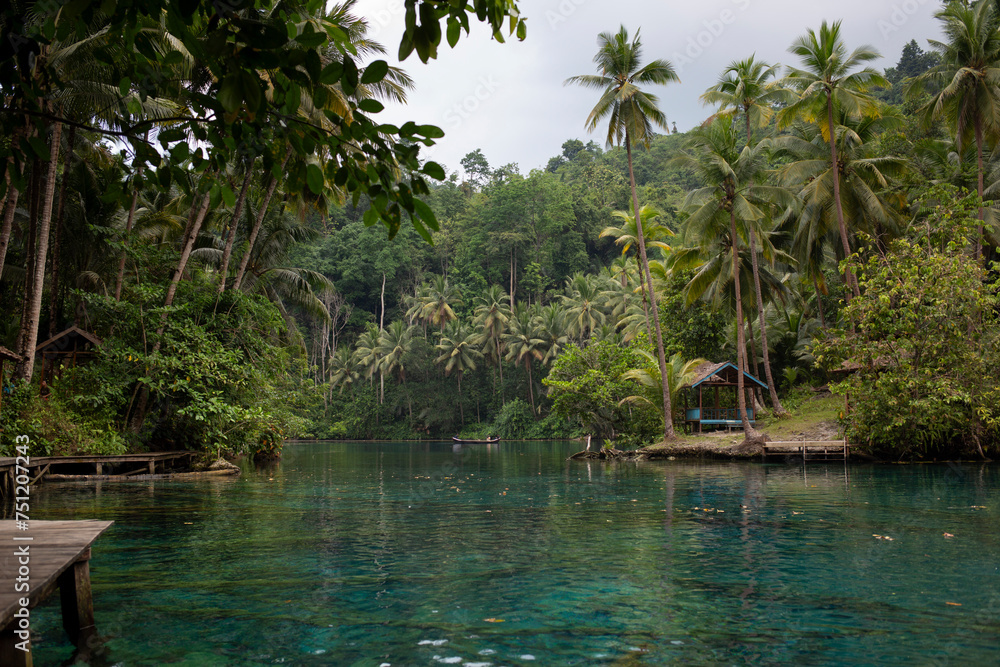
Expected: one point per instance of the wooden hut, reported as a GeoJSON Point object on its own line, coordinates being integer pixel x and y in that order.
{"type": "Point", "coordinates": [67, 349]}
{"type": "Point", "coordinates": [5, 356]}
{"type": "Point", "coordinates": [716, 376]}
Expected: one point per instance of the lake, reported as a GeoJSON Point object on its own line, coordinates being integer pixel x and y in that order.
{"type": "Point", "coordinates": [424, 554]}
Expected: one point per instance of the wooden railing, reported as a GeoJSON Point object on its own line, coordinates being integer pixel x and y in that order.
{"type": "Point", "coordinates": [717, 414]}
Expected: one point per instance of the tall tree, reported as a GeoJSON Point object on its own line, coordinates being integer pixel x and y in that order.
{"type": "Point", "coordinates": [748, 86]}
{"type": "Point", "coordinates": [458, 353]}
{"type": "Point", "coordinates": [832, 79]}
{"type": "Point", "coordinates": [968, 81]}
{"type": "Point", "coordinates": [524, 344]}
{"type": "Point", "coordinates": [631, 114]}
{"type": "Point", "coordinates": [734, 192]}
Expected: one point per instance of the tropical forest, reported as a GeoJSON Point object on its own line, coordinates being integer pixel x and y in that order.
{"type": "Point", "coordinates": [489, 332]}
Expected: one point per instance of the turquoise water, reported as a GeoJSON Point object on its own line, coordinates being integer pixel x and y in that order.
{"type": "Point", "coordinates": [406, 554]}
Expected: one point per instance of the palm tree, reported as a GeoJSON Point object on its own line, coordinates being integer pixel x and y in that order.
{"type": "Point", "coordinates": [524, 343]}
{"type": "Point", "coordinates": [864, 175]}
{"type": "Point", "coordinates": [584, 300]}
{"type": "Point", "coordinates": [679, 373]}
{"type": "Point", "coordinates": [343, 369]}
{"type": "Point", "coordinates": [627, 235]}
{"type": "Point", "coordinates": [968, 80]}
{"type": "Point", "coordinates": [491, 316]}
{"type": "Point", "coordinates": [552, 330]}
{"type": "Point", "coordinates": [437, 300]}
{"type": "Point", "coordinates": [459, 354]}
{"type": "Point", "coordinates": [832, 81]}
{"type": "Point", "coordinates": [367, 356]}
{"type": "Point", "coordinates": [747, 86]}
{"type": "Point", "coordinates": [631, 113]}
{"type": "Point", "coordinates": [734, 191]}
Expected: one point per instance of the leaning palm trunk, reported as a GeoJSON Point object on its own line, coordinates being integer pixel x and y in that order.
{"type": "Point", "coordinates": [120, 278]}
{"type": "Point", "coordinates": [668, 421]}
{"type": "Point", "coordinates": [8, 224]}
{"type": "Point", "coordinates": [245, 261]}
{"type": "Point", "coordinates": [748, 431]}
{"type": "Point", "coordinates": [779, 410]}
{"type": "Point", "coordinates": [231, 238]}
{"type": "Point", "coordinates": [191, 234]}
{"type": "Point", "coordinates": [849, 277]}
{"type": "Point", "coordinates": [36, 280]}
{"type": "Point", "coordinates": [54, 285]}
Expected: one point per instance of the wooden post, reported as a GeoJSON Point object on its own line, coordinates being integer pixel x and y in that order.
{"type": "Point", "coordinates": [10, 655]}
{"type": "Point", "coordinates": [77, 602]}
{"type": "Point", "coordinates": [701, 410]}
{"type": "Point", "coordinates": [99, 467]}
{"type": "Point", "coordinates": [152, 464]}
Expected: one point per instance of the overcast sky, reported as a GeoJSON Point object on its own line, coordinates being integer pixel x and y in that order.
{"type": "Point", "coordinates": [509, 99]}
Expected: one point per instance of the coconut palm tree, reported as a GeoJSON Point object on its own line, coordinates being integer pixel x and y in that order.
{"type": "Point", "coordinates": [458, 353]}
{"type": "Point", "coordinates": [343, 369]}
{"type": "Point", "coordinates": [437, 299]}
{"type": "Point", "coordinates": [627, 235]}
{"type": "Point", "coordinates": [968, 81]}
{"type": "Point", "coordinates": [491, 315]}
{"type": "Point", "coordinates": [832, 79]}
{"type": "Point", "coordinates": [748, 87]}
{"type": "Point", "coordinates": [584, 302]}
{"type": "Point", "coordinates": [524, 343]}
{"type": "Point", "coordinates": [679, 373]}
{"type": "Point", "coordinates": [735, 191]}
{"type": "Point", "coordinates": [553, 332]}
{"type": "Point", "coordinates": [631, 114]}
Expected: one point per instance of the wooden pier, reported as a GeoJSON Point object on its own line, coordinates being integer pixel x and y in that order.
{"type": "Point", "coordinates": [58, 555]}
{"type": "Point", "coordinates": [128, 464]}
{"type": "Point", "coordinates": [809, 450]}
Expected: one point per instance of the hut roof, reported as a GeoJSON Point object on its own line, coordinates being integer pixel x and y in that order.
{"type": "Point", "coordinates": [724, 373]}
{"type": "Point", "coordinates": [7, 355]}
{"type": "Point", "coordinates": [69, 333]}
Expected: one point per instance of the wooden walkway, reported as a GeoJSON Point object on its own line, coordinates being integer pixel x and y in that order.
{"type": "Point", "coordinates": [39, 466]}
{"type": "Point", "coordinates": [57, 555]}
{"type": "Point", "coordinates": [809, 450]}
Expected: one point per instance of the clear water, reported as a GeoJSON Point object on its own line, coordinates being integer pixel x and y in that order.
{"type": "Point", "coordinates": [364, 554]}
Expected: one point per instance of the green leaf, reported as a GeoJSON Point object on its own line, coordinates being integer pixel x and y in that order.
{"type": "Point", "coordinates": [434, 170]}
{"type": "Point", "coordinates": [314, 178]}
{"type": "Point", "coordinates": [39, 148]}
{"type": "Point", "coordinates": [228, 196]}
{"type": "Point", "coordinates": [371, 106]}
{"type": "Point", "coordinates": [124, 86]}
{"type": "Point", "coordinates": [371, 217]}
{"type": "Point", "coordinates": [426, 214]}
{"type": "Point", "coordinates": [230, 96]}
{"type": "Point", "coordinates": [454, 31]}
{"type": "Point", "coordinates": [331, 73]}
{"type": "Point", "coordinates": [430, 131]}
{"type": "Point", "coordinates": [375, 72]}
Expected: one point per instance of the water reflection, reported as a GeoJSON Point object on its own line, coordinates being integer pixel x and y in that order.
{"type": "Point", "coordinates": [397, 553]}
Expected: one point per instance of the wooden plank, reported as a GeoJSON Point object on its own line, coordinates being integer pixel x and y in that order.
{"type": "Point", "coordinates": [53, 548]}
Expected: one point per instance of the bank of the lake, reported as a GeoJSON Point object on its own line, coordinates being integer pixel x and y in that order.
{"type": "Point", "coordinates": [425, 553]}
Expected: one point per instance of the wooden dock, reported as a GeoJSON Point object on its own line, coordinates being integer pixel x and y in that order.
{"type": "Point", "coordinates": [127, 464]}
{"type": "Point", "coordinates": [809, 450]}
{"type": "Point", "coordinates": [58, 555]}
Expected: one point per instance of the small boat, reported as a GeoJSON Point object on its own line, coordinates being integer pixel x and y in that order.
{"type": "Point", "coordinates": [488, 441]}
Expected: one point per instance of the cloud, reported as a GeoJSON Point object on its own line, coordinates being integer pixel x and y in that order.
{"type": "Point", "coordinates": [509, 99]}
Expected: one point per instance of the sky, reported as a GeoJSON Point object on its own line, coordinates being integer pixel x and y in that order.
{"type": "Point", "coordinates": [509, 99]}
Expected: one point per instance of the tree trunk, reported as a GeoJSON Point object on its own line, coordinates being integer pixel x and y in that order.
{"type": "Point", "coordinates": [979, 185]}
{"type": "Point", "coordinates": [531, 390]}
{"type": "Point", "coordinates": [120, 278]}
{"type": "Point", "coordinates": [55, 311]}
{"type": "Point", "coordinates": [779, 410]}
{"type": "Point", "coordinates": [461, 408]}
{"type": "Point", "coordinates": [191, 234]}
{"type": "Point", "coordinates": [231, 238]}
{"type": "Point", "coordinates": [668, 420]}
{"type": "Point", "coordinates": [645, 304]}
{"type": "Point", "coordinates": [8, 225]}
{"type": "Point", "coordinates": [36, 281]}
{"type": "Point", "coordinates": [849, 277]}
{"type": "Point", "coordinates": [257, 224]}
{"type": "Point", "coordinates": [748, 430]}
{"type": "Point", "coordinates": [819, 303]}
